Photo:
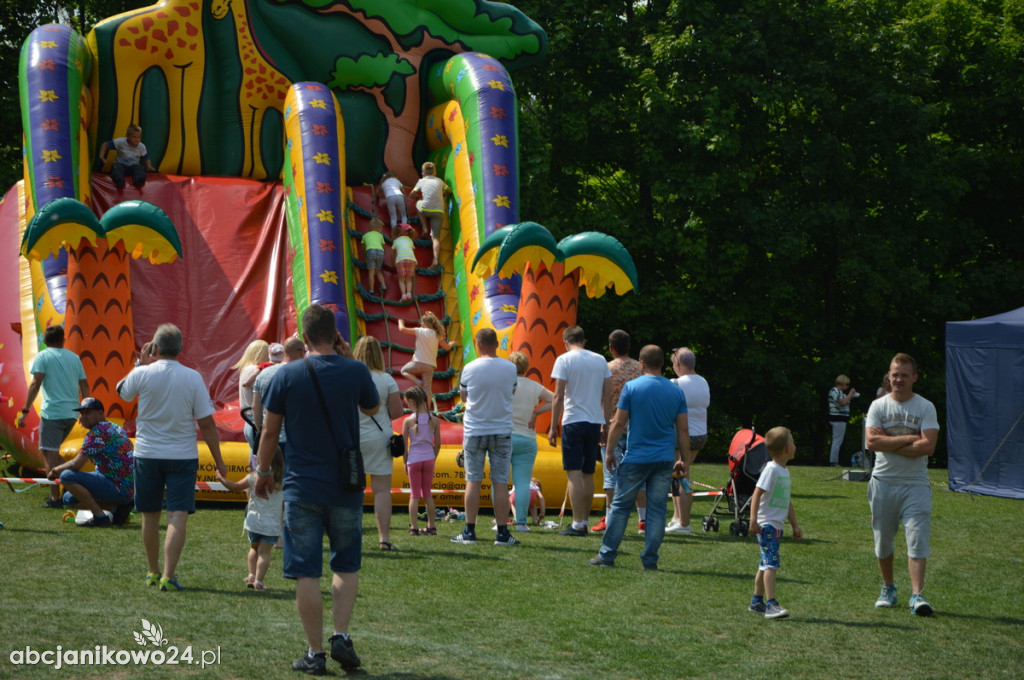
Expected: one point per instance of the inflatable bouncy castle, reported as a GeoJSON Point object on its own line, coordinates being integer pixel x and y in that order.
{"type": "Point", "coordinates": [269, 123]}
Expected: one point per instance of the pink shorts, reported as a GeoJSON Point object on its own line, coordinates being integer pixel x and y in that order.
{"type": "Point", "coordinates": [421, 477]}
{"type": "Point", "coordinates": [406, 267]}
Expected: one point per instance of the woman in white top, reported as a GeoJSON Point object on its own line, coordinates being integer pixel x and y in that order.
{"type": "Point", "coordinates": [531, 399]}
{"type": "Point", "coordinates": [374, 433]}
{"type": "Point", "coordinates": [248, 368]}
{"type": "Point", "coordinates": [698, 398]}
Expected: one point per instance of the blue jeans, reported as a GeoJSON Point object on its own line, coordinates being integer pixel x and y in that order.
{"type": "Point", "coordinates": [630, 478]}
{"type": "Point", "coordinates": [524, 453]}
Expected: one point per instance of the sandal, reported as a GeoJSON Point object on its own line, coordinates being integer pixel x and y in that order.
{"type": "Point", "coordinates": [387, 547]}
{"type": "Point", "coordinates": [414, 532]}
{"type": "Point", "coordinates": [430, 531]}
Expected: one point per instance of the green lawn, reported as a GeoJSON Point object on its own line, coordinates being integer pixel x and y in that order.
{"type": "Point", "coordinates": [440, 610]}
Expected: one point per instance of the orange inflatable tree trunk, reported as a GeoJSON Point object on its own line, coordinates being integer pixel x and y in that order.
{"type": "Point", "coordinates": [98, 320]}
{"type": "Point", "coordinates": [547, 306]}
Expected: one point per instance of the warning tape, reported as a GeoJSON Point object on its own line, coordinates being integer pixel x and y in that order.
{"type": "Point", "coordinates": [217, 486]}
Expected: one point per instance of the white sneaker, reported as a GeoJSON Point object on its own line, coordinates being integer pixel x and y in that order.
{"type": "Point", "coordinates": [522, 527]}
{"type": "Point", "coordinates": [675, 527]}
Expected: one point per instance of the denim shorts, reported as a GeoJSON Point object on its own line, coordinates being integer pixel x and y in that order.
{"type": "Point", "coordinates": [495, 447]}
{"type": "Point", "coordinates": [304, 527]}
{"type": "Point", "coordinates": [52, 433]}
{"type": "Point", "coordinates": [581, 446]}
{"type": "Point", "coordinates": [100, 487]}
{"type": "Point", "coordinates": [255, 538]}
{"type": "Point", "coordinates": [155, 475]}
{"type": "Point", "coordinates": [769, 539]}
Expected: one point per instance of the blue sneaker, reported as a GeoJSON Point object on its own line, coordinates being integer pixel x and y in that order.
{"type": "Point", "coordinates": [757, 607]}
{"type": "Point", "coordinates": [919, 606]}
{"type": "Point", "coordinates": [773, 610]}
{"type": "Point", "coordinates": [170, 583]}
{"type": "Point", "coordinates": [887, 598]}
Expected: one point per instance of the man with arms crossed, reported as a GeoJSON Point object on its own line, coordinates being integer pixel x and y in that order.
{"type": "Point", "coordinates": [902, 430]}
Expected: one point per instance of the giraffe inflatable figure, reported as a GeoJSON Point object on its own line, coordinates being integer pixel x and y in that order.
{"type": "Point", "coordinates": [263, 86]}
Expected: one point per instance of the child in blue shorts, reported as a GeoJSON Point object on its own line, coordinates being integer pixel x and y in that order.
{"type": "Point", "coordinates": [770, 507]}
{"type": "Point", "coordinates": [263, 520]}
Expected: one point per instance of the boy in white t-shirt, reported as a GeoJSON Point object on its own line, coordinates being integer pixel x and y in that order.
{"type": "Point", "coordinates": [132, 158]}
{"type": "Point", "coordinates": [770, 507]}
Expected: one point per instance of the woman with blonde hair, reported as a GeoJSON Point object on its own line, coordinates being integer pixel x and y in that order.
{"type": "Point", "coordinates": [530, 400]}
{"type": "Point", "coordinates": [248, 368]}
{"type": "Point", "coordinates": [429, 335]}
{"type": "Point", "coordinates": [374, 433]}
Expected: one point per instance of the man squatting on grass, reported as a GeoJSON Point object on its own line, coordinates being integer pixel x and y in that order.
{"type": "Point", "coordinates": [314, 501]}
{"type": "Point", "coordinates": [111, 486]}
{"type": "Point", "coordinates": [902, 431]}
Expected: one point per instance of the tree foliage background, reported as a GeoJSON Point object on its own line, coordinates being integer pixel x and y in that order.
{"type": "Point", "coordinates": [806, 186]}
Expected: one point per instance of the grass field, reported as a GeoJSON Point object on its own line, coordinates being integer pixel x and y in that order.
{"type": "Point", "coordinates": [445, 611]}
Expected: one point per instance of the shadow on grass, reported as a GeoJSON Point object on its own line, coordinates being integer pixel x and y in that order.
{"type": "Point", "coordinates": [1003, 620]}
{"type": "Point", "coordinates": [14, 530]}
{"type": "Point", "coordinates": [287, 595]}
{"type": "Point", "coordinates": [854, 624]}
{"type": "Point", "coordinates": [363, 673]}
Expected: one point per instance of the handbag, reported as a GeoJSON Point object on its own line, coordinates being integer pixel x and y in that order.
{"type": "Point", "coordinates": [396, 443]}
{"type": "Point", "coordinates": [350, 461]}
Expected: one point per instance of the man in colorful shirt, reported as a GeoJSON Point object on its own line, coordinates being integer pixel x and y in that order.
{"type": "Point", "coordinates": [112, 484]}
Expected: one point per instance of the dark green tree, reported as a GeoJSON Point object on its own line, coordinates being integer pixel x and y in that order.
{"type": "Point", "coordinates": [807, 187]}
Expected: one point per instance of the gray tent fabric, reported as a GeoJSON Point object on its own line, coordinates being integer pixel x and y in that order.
{"type": "Point", "coordinates": [985, 404]}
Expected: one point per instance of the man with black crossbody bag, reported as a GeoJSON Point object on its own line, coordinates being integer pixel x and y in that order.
{"type": "Point", "coordinates": [319, 399]}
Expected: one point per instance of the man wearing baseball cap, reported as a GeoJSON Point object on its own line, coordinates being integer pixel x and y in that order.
{"type": "Point", "coordinates": [112, 484]}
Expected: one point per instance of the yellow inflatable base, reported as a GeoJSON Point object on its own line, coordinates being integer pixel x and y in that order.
{"type": "Point", "coordinates": [449, 478]}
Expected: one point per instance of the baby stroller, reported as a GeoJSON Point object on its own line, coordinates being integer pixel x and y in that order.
{"type": "Point", "coordinates": [747, 457]}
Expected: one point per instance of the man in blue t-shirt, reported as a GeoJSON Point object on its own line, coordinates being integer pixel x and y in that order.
{"type": "Point", "coordinates": [657, 446]}
{"type": "Point", "coordinates": [58, 374]}
{"type": "Point", "coordinates": [314, 501]}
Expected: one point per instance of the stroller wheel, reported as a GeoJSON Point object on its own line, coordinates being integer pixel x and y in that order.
{"type": "Point", "coordinates": [714, 524]}
{"type": "Point", "coordinates": [705, 524]}
{"type": "Point", "coordinates": [744, 527]}
{"type": "Point", "coordinates": [734, 529]}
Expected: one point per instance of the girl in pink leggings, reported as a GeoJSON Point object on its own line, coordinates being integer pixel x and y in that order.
{"type": "Point", "coordinates": [422, 432]}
